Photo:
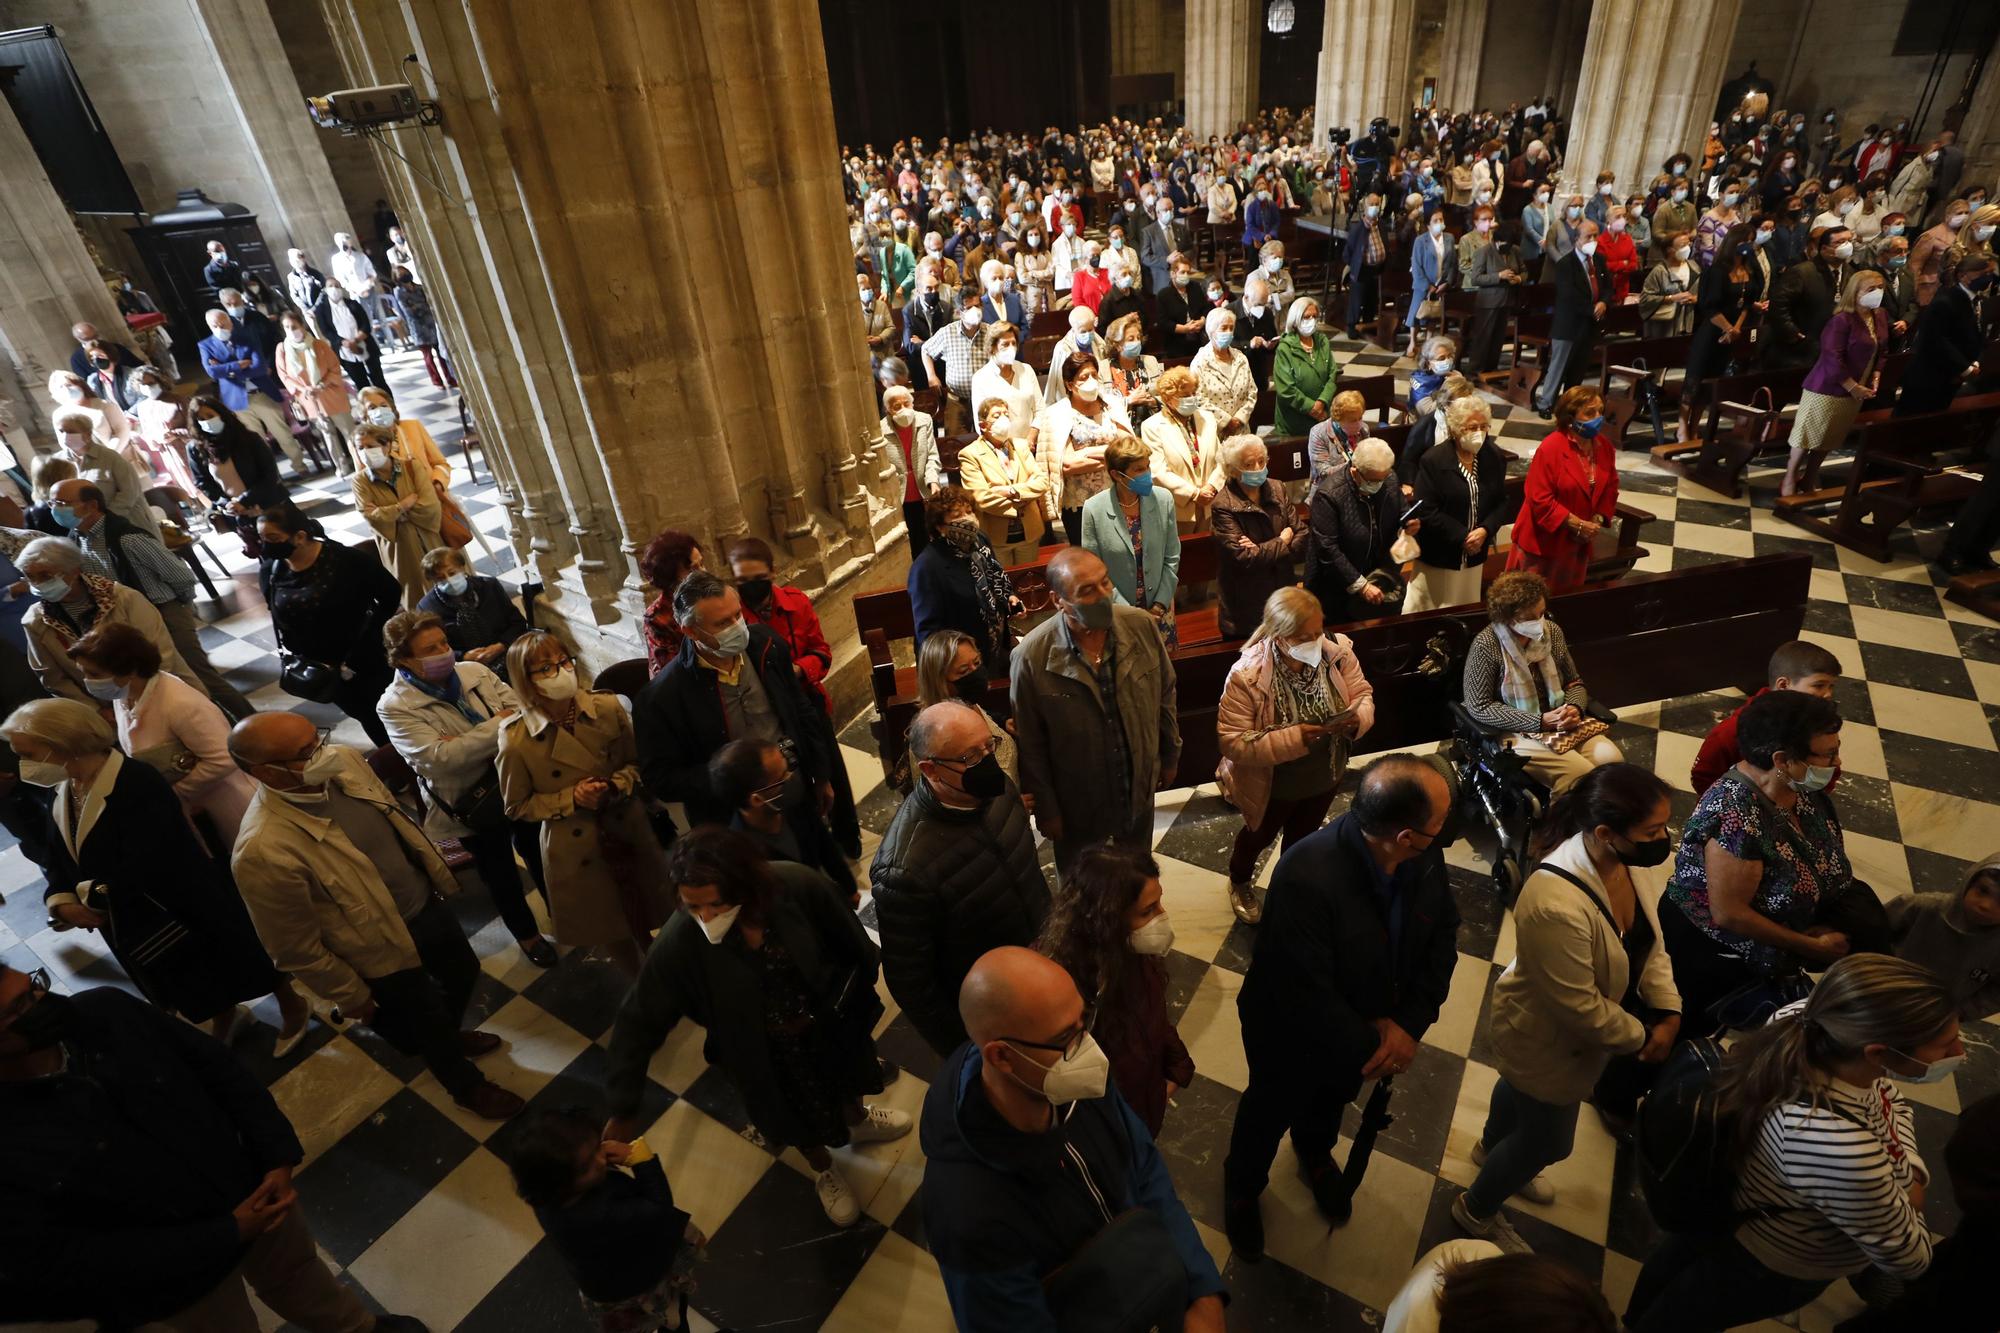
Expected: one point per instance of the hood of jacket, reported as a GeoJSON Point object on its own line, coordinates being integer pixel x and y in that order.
{"type": "Point", "coordinates": [947, 1137]}
{"type": "Point", "coordinates": [1954, 914]}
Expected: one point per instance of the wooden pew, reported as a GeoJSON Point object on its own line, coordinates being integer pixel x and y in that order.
{"type": "Point", "coordinates": [1896, 472]}
{"type": "Point", "coordinates": [1732, 420]}
{"type": "Point", "coordinates": [1622, 366]}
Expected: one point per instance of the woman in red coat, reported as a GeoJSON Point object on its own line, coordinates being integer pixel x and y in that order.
{"type": "Point", "coordinates": [1620, 255]}
{"type": "Point", "coordinates": [1572, 492]}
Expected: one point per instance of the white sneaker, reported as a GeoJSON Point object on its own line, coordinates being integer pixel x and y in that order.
{"type": "Point", "coordinates": [842, 1209]}
{"type": "Point", "coordinates": [880, 1124]}
{"type": "Point", "coordinates": [1537, 1190]}
{"type": "Point", "coordinates": [1495, 1228]}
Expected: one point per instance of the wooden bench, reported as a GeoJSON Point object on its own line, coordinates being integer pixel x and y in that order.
{"type": "Point", "coordinates": [1623, 366]}
{"type": "Point", "coordinates": [1725, 426]}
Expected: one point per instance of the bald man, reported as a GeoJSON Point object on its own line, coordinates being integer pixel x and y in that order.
{"type": "Point", "coordinates": [1094, 712]}
{"type": "Point", "coordinates": [1031, 1153]}
{"type": "Point", "coordinates": [1352, 962]}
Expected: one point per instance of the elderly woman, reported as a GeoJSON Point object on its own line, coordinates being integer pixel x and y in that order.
{"type": "Point", "coordinates": [1122, 301]}
{"type": "Point", "coordinates": [1006, 377]}
{"type": "Point", "coordinates": [70, 602]}
{"type": "Point", "coordinates": [328, 605]}
{"type": "Point", "coordinates": [911, 437]}
{"type": "Point", "coordinates": [1292, 707]}
{"type": "Point", "coordinates": [1330, 445]}
{"type": "Point", "coordinates": [1131, 528]}
{"type": "Point", "coordinates": [1439, 359]}
{"type": "Point", "coordinates": [1303, 374]}
{"type": "Point", "coordinates": [1277, 278]}
{"type": "Point", "coordinates": [1222, 372]}
{"type": "Point", "coordinates": [108, 469]}
{"type": "Point", "coordinates": [1667, 301]}
{"type": "Point", "coordinates": [1071, 435]}
{"type": "Point", "coordinates": [958, 583]}
{"type": "Point", "coordinates": [1572, 492]}
{"type": "Point", "coordinates": [1462, 480]}
{"type": "Point", "coordinates": [569, 762]}
{"type": "Point", "coordinates": [1847, 373]}
{"type": "Point", "coordinates": [667, 559]}
{"type": "Point", "coordinates": [1761, 861]}
{"type": "Point", "coordinates": [392, 493]}
{"type": "Point", "coordinates": [108, 423]}
{"type": "Point", "coordinates": [311, 374]}
{"type": "Point", "coordinates": [1521, 682]}
{"type": "Point", "coordinates": [877, 323]}
{"type": "Point", "coordinates": [160, 432]}
{"type": "Point", "coordinates": [167, 723]}
{"type": "Point", "coordinates": [1182, 436]}
{"type": "Point", "coordinates": [1258, 540]}
{"type": "Point", "coordinates": [999, 472]}
{"type": "Point", "coordinates": [1081, 341]}
{"type": "Point", "coordinates": [950, 667]}
{"type": "Point", "coordinates": [481, 620]}
{"type": "Point", "coordinates": [444, 717]}
{"type": "Point", "coordinates": [1353, 526]}
{"type": "Point", "coordinates": [1130, 371]}
{"type": "Point", "coordinates": [1180, 309]}
{"type": "Point", "coordinates": [1620, 255]}
{"type": "Point", "coordinates": [126, 862]}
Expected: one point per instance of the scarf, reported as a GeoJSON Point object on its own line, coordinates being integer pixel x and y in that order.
{"type": "Point", "coordinates": [1528, 679]}
{"type": "Point", "coordinates": [451, 691]}
{"type": "Point", "coordinates": [994, 587]}
{"type": "Point", "coordinates": [103, 596]}
{"type": "Point", "coordinates": [304, 359]}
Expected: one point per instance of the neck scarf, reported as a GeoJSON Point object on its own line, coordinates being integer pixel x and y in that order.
{"type": "Point", "coordinates": [1528, 671]}
{"type": "Point", "coordinates": [451, 690]}
{"type": "Point", "coordinates": [988, 577]}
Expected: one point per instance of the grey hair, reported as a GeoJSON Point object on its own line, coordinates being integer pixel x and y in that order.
{"type": "Point", "coordinates": [1298, 312]}
{"type": "Point", "coordinates": [925, 732]}
{"type": "Point", "coordinates": [62, 724]}
{"type": "Point", "coordinates": [695, 588]}
{"type": "Point", "coordinates": [1235, 447]}
{"type": "Point", "coordinates": [224, 293]}
{"type": "Point", "coordinates": [1285, 613]}
{"type": "Point", "coordinates": [213, 311]}
{"type": "Point", "coordinates": [59, 553]}
{"type": "Point", "coordinates": [1374, 455]}
{"type": "Point", "coordinates": [1460, 413]}
{"type": "Point", "coordinates": [1438, 344]}
{"type": "Point", "coordinates": [1211, 323]}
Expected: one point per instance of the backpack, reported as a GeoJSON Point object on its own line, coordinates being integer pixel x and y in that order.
{"type": "Point", "coordinates": [1682, 1150]}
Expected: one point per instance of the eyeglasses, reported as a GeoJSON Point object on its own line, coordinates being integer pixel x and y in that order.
{"type": "Point", "coordinates": [38, 986]}
{"type": "Point", "coordinates": [321, 735]}
{"type": "Point", "coordinates": [551, 669]}
{"type": "Point", "coordinates": [971, 757]}
{"type": "Point", "coordinates": [1068, 1046]}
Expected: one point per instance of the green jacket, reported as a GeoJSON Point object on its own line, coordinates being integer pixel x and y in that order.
{"type": "Point", "coordinates": [1300, 379]}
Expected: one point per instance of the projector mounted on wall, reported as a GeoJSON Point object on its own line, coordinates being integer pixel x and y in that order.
{"type": "Point", "coordinates": [361, 110]}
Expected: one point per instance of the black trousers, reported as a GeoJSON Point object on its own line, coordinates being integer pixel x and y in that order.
{"type": "Point", "coordinates": [24, 812]}
{"type": "Point", "coordinates": [420, 1010]}
{"type": "Point", "coordinates": [357, 699]}
{"type": "Point", "coordinates": [1482, 343]}
{"type": "Point", "coordinates": [1364, 295]}
{"type": "Point", "coordinates": [913, 520]}
{"type": "Point", "coordinates": [1292, 1094]}
{"type": "Point", "coordinates": [493, 853]}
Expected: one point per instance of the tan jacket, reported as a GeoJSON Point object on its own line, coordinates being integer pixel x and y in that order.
{"type": "Point", "coordinates": [1556, 1015]}
{"type": "Point", "coordinates": [422, 450]}
{"type": "Point", "coordinates": [319, 906]}
{"type": "Point", "coordinates": [1174, 468]}
{"type": "Point", "coordinates": [49, 640]}
{"type": "Point", "coordinates": [1252, 745]}
{"type": "Point", "coordinates": [989, 478]}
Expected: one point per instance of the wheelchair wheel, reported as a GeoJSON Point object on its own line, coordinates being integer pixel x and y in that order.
{"type": "Point", "coordinates": [1507, 878]}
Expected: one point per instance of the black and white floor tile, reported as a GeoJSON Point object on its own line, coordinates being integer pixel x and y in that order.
{"type": "Point", "coordinates": [410, 1197]}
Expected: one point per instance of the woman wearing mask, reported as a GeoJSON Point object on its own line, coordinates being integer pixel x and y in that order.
{"type": "Point", "coordinates": [569, 762]}
{"type": "Point", "coordinates": [772, 963]}
{"type": "Point", "coordinates": [1675, 214]}
{"type": "Point", "coordinates": [1847, 373]}
{"type": "Point", "coordinates": [1535, 226]}
{"type": "Point", "coordinates": [1122, 301]}
{"type": "Point", "coordinates": [1521, 682]}
{"type": "Point", "coordinates": [1465, 487]}
{"type": "Point", "coordinates": [1258, 538]}
{"type": "Point", "coordinates": [950, 667]}
{"type": "Point", "coordinates": [1828, 1182]}
{"type": "Point", "coordinates": [1277, 278]}
{"type": "Point", "coordinates": [1109, 930]}
{"type": "Point", "coordinates": [1433, 267]}
{"type": "Point", "coordinates": [1035, 269]}
{"type": "Point", "coordinates": [958, 583]}
{"type": "Point", "coordinates": [999, 472]}
{"type": "Point", "coordinates": [1303, 376]}
{"type": "Point", "coordinates": [1180, 309]}
{"type": "Point", "coordinates": [311, 374]}
{"type": "Point", "coordinates": [1894, 228]}
{"type": "Point", "coordinates": [1975, 237]}
{"type": "Point", "coordinates": [1639, 227]}
{"type": "Point", "coordinates": [1498, 267]}
{"type": "Point", "coordinates": [1439, 359]}
{"type": "Point", "coordinates": [1006, 377]}
{"type": "Point", "coordinates": [1716, 223]}
{"type": "Point", "coordinates": [444, 717]}
{"type": "Point", "coordinates": [667, 559]}
{"type": "Point", "coordinates": [1912, 184]}
{"type": "Point", "coordinates": [481, 619]}
{"type": "Point", "coordinates": [1081, 340]}
{"type": "Point", "coordinates": [1667, 302]}
{"type": "Point", "coordinates": [1183, 438]}
{"type": "Point", "coordinates": [328, 605]}
{"type": "Point", "coordinates": [1260, 222]}
{"type": "Point", "coordinates": [109, 425]}
{"type": "Point", "coordinates": [413, 307]}
{"type": "Point", "coordinates": [1620, 255]}
{"type": "Point", "coordinates": [1222, 371]}
{"type": "Point", "coordinates": [1331, 444]}
{"type": "Point", "coordinates": [232, 465]}
{"type": "Point", "coordinates": [1131, 528]}
{"type": "Point", "coordinates": [1222, 202]}
{"type": "Point", "coordinates": [1560, 241]}
{"type": "Point", "coordinates": [1071, 436]}
{"type": "Point", "coordinates": [400, 506]}
{"type": "Point", "coordinates": [1590, 988]}
{"type": "Point", "coordinates": [379, 409]}
{"type": "Point", "coordinates": [1292, 707]}
{"type": "Point", "coordinates": [1927, 255]}
{"type": "Point", "coordinates": [1367, 251]}
{"type": "Point", "coordinates": [1730, 289]}
{"type": "Point", "coordinates": [1132, 373]}
{"type": "Point", "coordinates": [1571, 493]}
{"type": "Point", "coordinates": [126, 862]}
{"type": "Point", "coordinates": [160, 432]}
{"type": "Point", "coordinates": [1872, 214]}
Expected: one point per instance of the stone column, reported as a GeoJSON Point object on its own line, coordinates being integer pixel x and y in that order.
{"type": "Point", "coordinates": [47, 280]}
{"type": "Point", "coordinates": [1364, 65]}
{"type": "Point", "coordinates": [1464, 45]}
{"type": "Point", "coordinates": [1652, 70]}
{"type": "Point", "coordinates": [1979, 133]}
{"type": "Point", "coordinates": [641, 254]}
{"type": "Point", "coordinates": [1566, 39]}
{"type": "Point", "coordinates": [261, 89]}
{"type": "Point", "coordinates": [1221, 69]}
{"type": "Point", "coordinates": [1134, 33]}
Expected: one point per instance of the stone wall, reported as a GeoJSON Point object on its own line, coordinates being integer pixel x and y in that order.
{"type": "Point", "coordinates": [1836, 53]}
{"type": "Point", "coordinates": [316, 66]}
{"type": "Point", "coordinates": [1513, 64]}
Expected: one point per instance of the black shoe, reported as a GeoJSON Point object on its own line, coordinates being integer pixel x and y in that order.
{"type": "Point", "coordinates": [1978, 561]}
{"type": "Point", "coordinates": [891, 1071]}
{"type": "Point", "coordinates": [400, 1323]}
{"type": "Point", "coordinates": [540, 952]}
{"type": "Point", "coordinates": [1243, 1223]}
{"type": "Point", "coordinates": [1329, 1190]}
{"type": "Point", "coordinates": [1545, 414]}
{"type": "Point", "coordinates": [476, 1043]}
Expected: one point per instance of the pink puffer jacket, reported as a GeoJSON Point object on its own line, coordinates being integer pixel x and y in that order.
{"type": "Point", "coordinates": [1244, 720]}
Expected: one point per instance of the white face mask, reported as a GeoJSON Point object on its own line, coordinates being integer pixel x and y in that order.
{"type": "Point", "coordinates": [1155, 937]}
{"type": "Point", "coordinates": [1087, 390]}
{"type": "Point", "coordinates": [382, 416]}
{"type": "Point", "coordinates": [1308, 653]}
{"type": "Point", "coordinates": [1681, 254]}
{"type": "Point", "coordinates": [1073, 1078]}
{"type": "Point", "coordinates": [1587, 249]}
{"type": "Point", "coordinates": [1005, 353]}
{"type": "Point", "coordinates": [716, 927]}
{"type": "Point", "coordinates": [1000, 427]}
{"type": "Point", "coordinates": [1441, 366]}
{"type": "Point", "coordinates": [1472, 440]}
{"type": "Point", "coordinates": [1306, 327]}
{"type": "Point", "coordinates": [42, 773]}
{"type": "Point", "coordinates": [1870, 299]}
{"type": "Point", "coordinates": [560, 686]}
{"type": "Point", "coordinates": [1530, 629]}
{"type": "Point", "coordinates": [903, 416]}
{"type": "Point", "coordinates": [377, 459]}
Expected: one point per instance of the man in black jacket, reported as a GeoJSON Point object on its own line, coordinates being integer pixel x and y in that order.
{"type": "Point", "coordinates": [735, 680]}
{"type": "Point", "coordinates": [956, 873]}
{"type": "Point", "coordinates": [1802, 300]}
{"type": "Point", "coordinates": [1582, 289]}
{"type": "Point", "coordinates": [928, 310]}
{"type": "Point", "coordinates": [1353, 516]}
{"type": "Point", "coordinates": [1948, 345]}
{"type": "Point", "coordinates": [147, 1176]}
{"type": "Point", "coordinates": [1352, 962]}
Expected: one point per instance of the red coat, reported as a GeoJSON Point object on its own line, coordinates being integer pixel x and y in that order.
{"type": "Point", "coordinates": [1558, 486]}
{"type": "Point", "coordinates": [791, 617]}
{"type": "Point", "coordinates": [1621, 261]}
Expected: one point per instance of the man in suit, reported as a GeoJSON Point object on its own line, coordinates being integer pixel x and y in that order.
{"type": "Point", "coordinates": [1948, 344]}
{"type": "Point", "coordinates": [221, 271]}
{"type": "Point", "coordinates": [246, 384]}
{"type": "Point", "coordinates": [927, 311]}
{"type": "Point", "coordinates": [1582, 288]}
{"type": "Point", "coordinates": [1162, 240]}
{"type": "Point", "coordinates": [1001, 303]}
{"type": "Point", "coordinates": [1802, 298]}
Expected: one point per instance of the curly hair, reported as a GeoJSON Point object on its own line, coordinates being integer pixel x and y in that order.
{"type": "Point", "coordinates": [667, 558]}
{"type": "Point", "coordinates": [1086, 931]}
{"type": "Point", "coordinates": [1512, 593]}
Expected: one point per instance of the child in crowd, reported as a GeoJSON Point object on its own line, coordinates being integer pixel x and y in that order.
{"type": "Point", "coordinates": [609, 1210]}
{"type": "Point", "coordinates": [1957, 936]}
{"type": "Point", "coordinates": [1798, 665]}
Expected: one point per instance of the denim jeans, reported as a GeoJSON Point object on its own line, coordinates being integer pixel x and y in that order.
{"type": "Point", "coordinates": [1705, 1284]}
{"type": "Point", "coordinates": [1522, 1136]}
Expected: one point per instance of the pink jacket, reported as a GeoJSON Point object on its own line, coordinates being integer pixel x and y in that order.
{"type": "Point", "coordinates": [1251, 747]}
{"type": "Point", "coordinates": [319, 387]}
{"type": "Point", "coordinates": [171, 710]}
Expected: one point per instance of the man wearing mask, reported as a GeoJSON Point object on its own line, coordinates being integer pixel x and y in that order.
{"type": "Point", "coordinates": [1352, 962]}
{"type": "Point", "coordinates": [956, 873]}
{"type": "Point", "coordinates": [349, 265]}
{"type": "Point", "coordinates": [252, 324]}
{"type": "Point", "coordinates": [1094, 711]}
{"type": "Point", "coordinates": [221, 271]}
{"type": "Point", "coordinates": [734, 681]}
{"type": "Point", "coordinates": [247, 384]}
{"type": "Point", "coordinates": [928, 311]}
{"type": "Point", "coordinates": [1583, 287]}
{"type": "Point", "coordinates": [1166, 237]}
{"type": "Point", "coordinates": [348, 896]}
{"type": "Point", "coordinates": [1676, 213]}
{"type": "Point", "coordinates": [305, 285]}
{"type": "Point", "coordinates": [101, 364]}
{"type": "Point", "coordinates": [343, 322]}
{"type": "Point", "coordinates": [1802, 298]}
{"type": "Point", "coordinates": [1016, 1120]}
{"type": "Point", "coordinates": [951, 356]}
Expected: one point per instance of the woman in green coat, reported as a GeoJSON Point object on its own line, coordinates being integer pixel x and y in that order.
{"type": "Point", "coordinates": [1303, 374]}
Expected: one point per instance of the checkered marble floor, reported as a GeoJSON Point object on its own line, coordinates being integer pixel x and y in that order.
{"type": "Point", "coordinates": [410, 1198]}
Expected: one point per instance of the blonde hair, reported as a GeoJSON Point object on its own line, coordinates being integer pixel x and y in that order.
{"type": "Point", "coordinates": [1175, 382]}
{"type": "Point", "coordinates": [48, 472]}
{"type": "Point", "coordinates": [521, 656]}
{"type": "Point", "coordinates": [1859, 281]}
{"type": "Point", "coordinates": [934, 665]}
{"type": "Point", "coordinates": [1125, 450]}
{"type": "Point", "coordinates": [61, 724]}
{"type": "Point", "coordinates": [1285, 613]}
{"type": "Point", "coordinates": [1123, 327]}
{"type": "Point", "coordinates": [1348, 403]}
{"type": "Point", "coordinates": [72, 417]}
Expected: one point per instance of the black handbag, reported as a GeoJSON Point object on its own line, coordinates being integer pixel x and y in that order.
{"type": "Point", "coordinates": [1128, 1278]}
{"type": "Point", "coordinates": [307, 678]}
{"type": "Point", "coordinates": [481, 809]}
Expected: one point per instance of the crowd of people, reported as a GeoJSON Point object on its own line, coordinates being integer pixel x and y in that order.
{"type": "Point", "coordinates": [704, 839]}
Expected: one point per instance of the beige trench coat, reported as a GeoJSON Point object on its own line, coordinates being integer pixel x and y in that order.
{"type": "Point", "coordinates": [402, 538]}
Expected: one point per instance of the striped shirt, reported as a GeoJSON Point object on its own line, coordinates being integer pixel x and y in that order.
{"type": "Point", "coordinates": [1842, 1175]}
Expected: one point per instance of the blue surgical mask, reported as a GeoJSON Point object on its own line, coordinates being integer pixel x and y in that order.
{"type": "Point", "coordinates": [1133, 348]}
{"type": "Point", "coordinates": [106, 690]}
{"type": "Point", "coordinates": [1254, 479]}
{"type": "Point", "coordinates": [1141, 485]}
{"type": "Point", "coordinates": [1224, 338]}
{"type": "Point", "coordinates": [455, 585]}
{"type": "Point", "coordinates": [1367, 487]}
{"type": "Point", "coordinates": [50, 590]}
{"type": "Point", "coordinates": [64, 515]}
{"type": "Point", "coordinates": [1816, 779]}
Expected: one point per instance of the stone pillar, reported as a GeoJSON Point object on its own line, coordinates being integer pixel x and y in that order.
{"type": "Point", "coordinates": [1979, 132]}
{"type": "Point", "coordinates": [1221, 69]}
{"type": "Point", "coordinates": [1364, 65]}
{"type": "Point", "coordinates": [261, 89]}
{"type": "Point", "coordinates": [1464, 46]}
{"type": "Point", "coordinates": [1652, 70]}
{"type": "Point", "coordinates": [47, 280]}
{"type": "Point", "coordinates": [641, 254]}
{"type": "Point", "coordinates": [1134, 33]}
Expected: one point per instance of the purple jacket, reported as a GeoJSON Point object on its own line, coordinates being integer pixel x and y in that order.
{"type": "Point", "coordinates": [1844, 351]}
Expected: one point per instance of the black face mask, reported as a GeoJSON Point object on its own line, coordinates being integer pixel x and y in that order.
{"type": "Point", "coordinates": [984, 780]}
{"type": "Point", "coordinates": [754, 592]}
{"type": "Point", "coordinates": [276, 550]}
{"type": "Point", "coordinates": [970, 689]}
{"type": "Point", "coordinates": [1644, 854]}
{"type": "Point", "coordinates": [47, 1023]}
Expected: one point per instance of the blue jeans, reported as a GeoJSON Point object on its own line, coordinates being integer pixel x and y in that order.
{"type": "Point", "coordinates": [1522, 1136]}
{"type": "Point", "coordinates": [1708, 1283]}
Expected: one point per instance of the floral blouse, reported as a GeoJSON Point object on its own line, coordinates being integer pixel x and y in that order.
{"type": "Point", "coordinates": [1804, 860]}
